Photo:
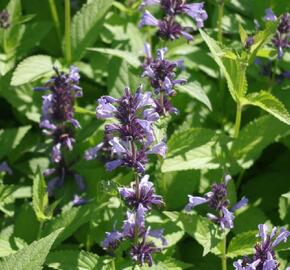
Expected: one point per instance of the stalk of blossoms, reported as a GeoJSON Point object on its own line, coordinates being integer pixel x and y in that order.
{"type": "Point", "coordinates": [162, 78]}
{"type": "Point", "coordinates": [128, 142]}
{"type": "Point", "coordinates": [264, 257]}
{"type": "Point", "coordinates": [58, 122]}
{"type": "Point", "coordinates": [281, 38]}
{"type": "Point", "coordinates": [223, 216]}
{"type": "Point", "coordinates": [168, 27]}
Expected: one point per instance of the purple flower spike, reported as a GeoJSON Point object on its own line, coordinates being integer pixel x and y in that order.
{"type": "Point", "coordinates": [269, 15]}
{"type": "Point", "coordinates": [92, 153]}
{"type": "Point", "coordinates": [142, 252]}
{"type": "Point", "coordinates": [5, 168]}
{"type": "Point", "coordinates": [264, 257]}
{"type": "Point", "coordinates": [281, 39]}
{"type": "Point", "coordinates": [145, 196]}
{"type": "Point", "coordinates": [217, 199]}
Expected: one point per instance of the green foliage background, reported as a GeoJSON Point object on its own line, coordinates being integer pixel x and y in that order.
{"type": "Point", "coordinates": [107, 47]}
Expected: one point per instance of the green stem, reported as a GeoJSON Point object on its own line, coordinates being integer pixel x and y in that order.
{"type": "Point", "coordinates": [113, 265]}
{"type": "Point", "coordinates": [40, 230]}
{"type": "Point", "coordinates": [224, 254]}
{"type": "Point", "coordinates": [239, 181]}
{"type": "Point", "coordinates": [238, 120]}
{"type": "Point", "coordinates": [220, 21]}
{"type": "Point", "coordinates": [67, 31]}
{"type": "Point", "coordinates": [5, 45]}
{"type": "Point", "coordinates": [55, 18]}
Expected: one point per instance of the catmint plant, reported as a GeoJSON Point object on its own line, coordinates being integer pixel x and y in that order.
{"type": "Point", "coordinates": [58, 122]}
{"type": "Point", "coordinates": [4, 19]}
{"type": "Point", "coordinates": [217, 200]}
{"type": "Point", "coordinates": [281, 38]}
{"type": "Point", "coordinates": [161, 75]}
{"type": "Point", "coordinates": [130, 140]}
{"type": "Point", "coordinates": [168, 27]}
{"type": "Point", "coordinates": [264, 257]}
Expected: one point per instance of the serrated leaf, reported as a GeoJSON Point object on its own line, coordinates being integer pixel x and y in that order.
{"type": "Point", "coordinates": [32, 69]}
{"type": "Point", "coordinates": [284, 207]}
{"type": "Point", "coordinates": [195, 148]}
{"type": "Point", "coordinates": [129, 57]}
{"type": "Point", "coordinates": [31, 257]}
{"type": "Point", "coordinates": [255, 137]}
{"type": "Point", "coordinates": [40, 197]}
{"type": "Point", "coordinates": [202, 230]}
{"type": "Point", "coordinates": [269, 103]}
{"type": "Point", "coordinates": [242, 244]}
{"type": "Point", "coordinates": [6, 191]}
{"type": "Point", "coordinates": [233, 69]}
{"type": "Point", "coordinates": [85, 26]}
{"type": "Point", "coordinates": [194, 89]}
{"type": "Point", "coordinates": [10, 246]}
{"type": "Point", "coordinates": [73, 260]}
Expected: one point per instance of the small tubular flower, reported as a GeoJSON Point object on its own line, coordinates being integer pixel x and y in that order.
{"type": "Point", "coordinates": [264, 257]}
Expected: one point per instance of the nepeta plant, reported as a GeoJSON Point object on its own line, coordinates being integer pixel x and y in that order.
{"type": "Point", "coordinates": [281, 38]}
{"type": "Point", "coordinates": [4, 167]}
{"type": "Point", "coordinates": [130, 140]}
{"type": "Point", "coordinates": [264, 257]}
{"type": "Point", "coordinates": [161, 75]}
{"type": "Point", "coordinates": [217, 199]}
{"type": "Point", "coordinates": [58, 122]}
{"type": "Point", "coordinates": [168, 27]}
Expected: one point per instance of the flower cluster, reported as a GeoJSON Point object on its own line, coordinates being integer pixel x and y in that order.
{"type": "Point", "coordinates": [4, 167]}
{"type": "Point", "coordinates": [57, 121]}
{"type": "Point", "coordinates": [162, 77]}
{"type": "Point", "coordinates": [264, 257]}
{"type": "Point", "coordinates": [217, 199]}
{"type": "Point", "coordinates": [168, 27]}
{"type": "Point", "coordinates": [4, 19]}
{"type": "Point", "coordinates": [129, 141]}
{"type": "Point", "coordinates": [281, 39]}
{"type": "Point", "coordinates": [140, 197]}
{"type": "Point", "coordinates": [131, 138]}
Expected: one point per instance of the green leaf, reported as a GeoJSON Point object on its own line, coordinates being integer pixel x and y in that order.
{"type": "Point", "coordinates": [255, 137]}
{"type": "Point", "coordinates": [195, 148]}
{"type": "Point", "coordinates": [130, 58]}
{"type": "Point", "coordinates": [6, 191]}
{"type": "Point", "coordinates": [232, 67]}
{"type": "Point", "coordinates": [86, 25]}
{"type": "Point", "coordinates": [243, 34]}
{"type": "Point", "coordinates": [168, 264]}
{"type": "Point", "coordinates": [284, 207]}
{"type": "Point", "coordinates": [32, 69]}
{"type": "Point", "coordinates": [242, 244]}
{"type": "Point", "coordinates": [40, 198]}
{"type": "Point", "coordinates": [262, 37]}
{"type": "Point", "coordinates": [11, 138]}
{"type": "Point", "coordinates": [71, 220]}
{"type": "Point", "coordinates": [194, 89]}
{"type": "Point", "coordinates": [269, 103]}
{"type": "Point", "coordinates": [202, 230]}
{"type": "Point", "coordinates": [10, 246]}
{"type": "Point", "coordinates": [73, 260]}
{"type": "Point", "coordinates": [31, 257]}
{"type": "Point", "coordinates": [120, 77]}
